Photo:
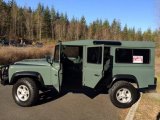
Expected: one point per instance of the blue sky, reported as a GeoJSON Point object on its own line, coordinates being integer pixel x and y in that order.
{"type": "Point", "coordinates": [135, 13]}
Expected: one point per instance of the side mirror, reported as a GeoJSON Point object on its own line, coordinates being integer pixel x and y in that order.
{"type": "Point", "coordinates": [49, 59]}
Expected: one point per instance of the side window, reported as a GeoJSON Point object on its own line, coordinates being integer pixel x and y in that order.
{"type": "Point", "coordinates": [132, 56]}
{"type": "Point", "coordinates": [144, 54]}
{"type": "Point", "coordinates": [123, 55]}
{"type": "Point", "coordinates": [94, 55]}
{"type": "Point", "coordinates": [56, 54]}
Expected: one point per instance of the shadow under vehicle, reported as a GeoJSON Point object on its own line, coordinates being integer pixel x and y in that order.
{"type": "Point", "coordinates": [122, 68]}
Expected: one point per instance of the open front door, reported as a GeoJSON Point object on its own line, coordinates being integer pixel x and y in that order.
{"type": "Point", "coordinates": [93, 65]}
{"type": "Point", "coordinates": [56, 72]}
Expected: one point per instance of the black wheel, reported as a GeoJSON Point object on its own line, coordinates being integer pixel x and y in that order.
{"type": "Point", "coordinates": [25, 92]}
{"type": "Point", "coordinates": [123, 94]}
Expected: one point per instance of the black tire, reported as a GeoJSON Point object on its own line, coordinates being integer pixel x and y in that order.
{"type": "Point", "coordinates": [120, 86]}
{"type": "Point", "coordinates": [32, 92]}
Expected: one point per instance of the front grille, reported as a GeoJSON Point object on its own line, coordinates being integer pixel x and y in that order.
{"type": "Point", "coordinates": [4, 74]}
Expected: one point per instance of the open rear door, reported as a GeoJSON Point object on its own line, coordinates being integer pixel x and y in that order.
{"type": "Point", "coordinates": [93, 65]}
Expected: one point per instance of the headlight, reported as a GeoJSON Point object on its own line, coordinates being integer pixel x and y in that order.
{"type": "Point", "coordinates": [4, 71]}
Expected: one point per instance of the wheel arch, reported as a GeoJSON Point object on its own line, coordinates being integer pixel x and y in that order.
{"type": "Point", "coordinates": [124, 77]}
{"type": "Point", "coordinates": [34, 75]}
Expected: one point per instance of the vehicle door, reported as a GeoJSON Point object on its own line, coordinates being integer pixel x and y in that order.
{"type": "Point", "coordinates": [93, 65]}
{"type": "Point", "coordinates": [56, 70]}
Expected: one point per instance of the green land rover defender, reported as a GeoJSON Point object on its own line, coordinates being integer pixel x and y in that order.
{"type": "Point", "coordinates": [123, 68]}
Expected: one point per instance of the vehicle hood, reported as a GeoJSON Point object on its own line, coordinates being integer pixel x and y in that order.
{"type": "Point", "coordinates": [41, 62]}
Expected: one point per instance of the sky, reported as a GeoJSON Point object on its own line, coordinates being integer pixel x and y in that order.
{"type": "Point", "coordinates": [135, 13]}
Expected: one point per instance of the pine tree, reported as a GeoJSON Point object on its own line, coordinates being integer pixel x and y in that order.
{"type": "Point", "coordinates": [106, 30]}
{"type": "Point", "coordinates": [4, 22]}
{"type": "Point", "coordinates": [139, 35]}
{"type": "Point", "coordinates": [46, 28]}
{"type": "Point", "coordinates": [39, 21]}
{"type": "Point", "coordinates": [71, 30]}
{"type": "Point", "coordinates": [53, 20]}
{"type": "Point", "coordinates": [83, 28]}
{"type": "Point", "coordinates": [125, 33]}
{"type": "Point", "coordinates": [92, 30]}
{"type": "Point", "coordinates": [147, 35]}
{"type": "Point", "coordinates": [115, 30]}
{"type": "Point", "coordinates": [14, 19]}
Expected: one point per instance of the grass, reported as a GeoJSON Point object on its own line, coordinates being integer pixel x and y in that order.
{"type": "Point", "coordinates": [123, 113]}
{"type": "Point", "coordinates": [158, 85]}
{"type": "Point", "coordinates": [12, 54]}
{"type": "Point", "coordinates": [148, 109]}
{"type": "Point", "coordinates": [158, 52]}
{"type": "Point", "coordinates": [149, 106]}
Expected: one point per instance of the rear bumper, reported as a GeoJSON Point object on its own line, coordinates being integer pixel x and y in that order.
{"type": "Point", "coordinates": [150, 88]}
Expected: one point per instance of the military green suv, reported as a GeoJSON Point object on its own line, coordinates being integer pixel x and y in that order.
{"type": "Point", "coordinates": [124, 68]}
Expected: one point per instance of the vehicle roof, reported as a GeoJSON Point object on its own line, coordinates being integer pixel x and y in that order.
{"type": "Point", "coordinates": [110, 43]}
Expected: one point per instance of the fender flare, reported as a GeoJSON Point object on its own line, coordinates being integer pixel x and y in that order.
{"type": "Point", "coordinates": [31, 74]}
{"type": "Point", "coordinates": [125, 77]}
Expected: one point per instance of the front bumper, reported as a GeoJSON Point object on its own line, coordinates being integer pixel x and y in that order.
{"type": "Point", "coordinates": [4, 75]}
{"type": "Point", "coordinates": [150, 88]}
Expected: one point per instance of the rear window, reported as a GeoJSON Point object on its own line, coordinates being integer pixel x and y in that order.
{"type": "Point", "coordinates": [141, 56]}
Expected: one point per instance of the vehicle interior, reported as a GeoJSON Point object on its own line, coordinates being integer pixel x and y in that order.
{"type": "Point", "coordinates": [71, 59]}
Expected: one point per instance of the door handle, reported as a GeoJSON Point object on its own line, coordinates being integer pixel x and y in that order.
{"type": "Point", "coordinates": [96, 75]}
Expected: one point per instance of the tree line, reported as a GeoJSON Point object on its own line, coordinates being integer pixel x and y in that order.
{"type": "Point", "coordinates": [46, 23]}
